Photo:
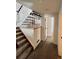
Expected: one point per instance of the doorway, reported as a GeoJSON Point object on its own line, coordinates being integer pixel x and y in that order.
{"type": "Point", "coordinates": [49, 27]}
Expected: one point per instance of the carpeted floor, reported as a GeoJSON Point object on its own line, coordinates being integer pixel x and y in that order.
{"type": "Point", "coordinates": [45, 50]}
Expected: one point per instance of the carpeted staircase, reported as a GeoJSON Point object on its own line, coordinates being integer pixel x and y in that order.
{"type": "Point", "coordinates": [23, 47]}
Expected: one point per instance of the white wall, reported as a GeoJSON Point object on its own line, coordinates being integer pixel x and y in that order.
{"type": "Point", "coordinates": [49, 24]}
{"type": "Point", "coordinates": [33, 35]}
{"type": "Point", "coordinates": [60, 34]}
{"type": "Point", "coordinates": [55, 35]}
{"type": "Point", "coordinates": [52, 24]}
{"type": "Point", "coordinates": [43, 27]}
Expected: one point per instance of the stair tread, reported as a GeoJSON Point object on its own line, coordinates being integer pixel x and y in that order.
{"type": "Point", "coordinates": [21, 49]}
{"type": "Point", "coordinates": [19, 37]}
{"type": "Point", "coordinates": [22, 41]}
{"type": "Point", "coordinates": [23, 46]}
{"type": "Point", "coordinates": [26, 53]}
{"type": "Point", "coordinates": [18, 33]}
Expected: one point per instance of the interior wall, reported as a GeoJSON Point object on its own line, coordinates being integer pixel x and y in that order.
{"type": "Point", "coordinates": [43, 33]}
{"type": "Point", "coordinates": [55, 34]}
{"type": "Point", "coordinates": [49, 26]}
{"type": "Point", "coordinates": [60, 34]}
{"type": "Point", "coordinates": [52, 24]}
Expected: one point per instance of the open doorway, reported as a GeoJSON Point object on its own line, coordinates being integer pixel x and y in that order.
{"type": "Point", "coordinates": [49, 21]}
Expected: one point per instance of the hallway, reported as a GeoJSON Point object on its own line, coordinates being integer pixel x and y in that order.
{"type": "Point", "coordinates": [38, 23]}
{"type": "Point", "coordinates": [45, 50]}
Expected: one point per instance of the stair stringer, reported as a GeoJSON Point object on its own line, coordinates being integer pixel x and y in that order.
{"type": "Point", "coordinates": [29, 34]}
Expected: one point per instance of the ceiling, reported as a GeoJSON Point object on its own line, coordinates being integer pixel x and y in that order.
{"type": "Point", "coordinates": [43, 6]}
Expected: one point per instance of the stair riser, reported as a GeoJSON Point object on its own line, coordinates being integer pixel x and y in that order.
{"type": "Point", "coordinates": [18, 30]}
{"type": "Point", "coordinates": [21, 44]}
{"type": "Point", "coordinates": [20, 39]}
{"type": "Point", "coordinates": [19, 34]}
